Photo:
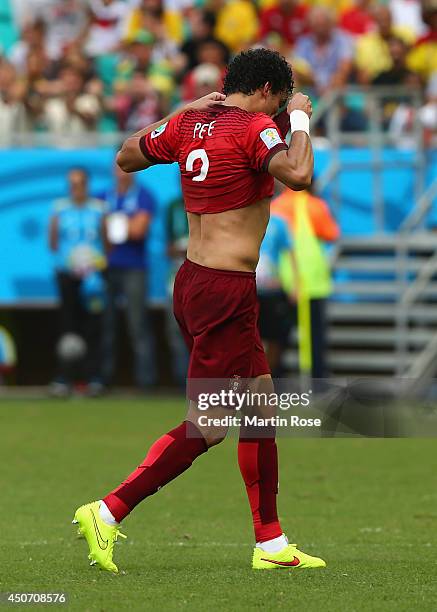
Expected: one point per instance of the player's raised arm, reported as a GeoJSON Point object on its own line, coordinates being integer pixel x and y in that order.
{"type": "Point", "coordinates": [133, 156]}
{"type": "Point", "coordinates": [295, 167]}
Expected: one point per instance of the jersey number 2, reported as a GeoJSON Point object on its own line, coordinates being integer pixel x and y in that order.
{"type": "Point", "coordinates": [198, 154]}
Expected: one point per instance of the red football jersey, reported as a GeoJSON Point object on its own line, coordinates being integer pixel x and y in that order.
{"type": "Point", "coordinates": [223, 156]}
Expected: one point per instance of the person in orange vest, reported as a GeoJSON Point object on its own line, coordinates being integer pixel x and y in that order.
{"type": "Point", "coordinates": [311, 224]}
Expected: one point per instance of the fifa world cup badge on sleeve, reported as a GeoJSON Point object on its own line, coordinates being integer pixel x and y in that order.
{"type": "Point", "coordinates": [270, 137]}
{"type": "Point", "coordinates": [160, 130]}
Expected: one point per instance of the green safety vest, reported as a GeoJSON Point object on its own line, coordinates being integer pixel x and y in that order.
{"type": "Point", "coordinates": [312, 263]}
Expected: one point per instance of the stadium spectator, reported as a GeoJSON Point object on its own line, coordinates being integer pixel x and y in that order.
{"type": "Point", "coordinates": [63, 22]}
{"type": "Point", "coordinates": [335, 5]}
{"type": "Point", "coordinates": [73, 111]}
{"type": "Point", "coordinates": [139, 104]}
{"type": "Point", "coordinates": [237, 23]}
{"type": "Point", "coordinates": [358, 18]}
{"type": "Point", "coordinates": [104, 30]}
{"type": "Point", "coordinates": [13, 115]}
{"type": "Point", "coordinates": [212, 56]}
{"type": "Point", "coordinates": [326, 51]}
{"type": "Point", "coordinates": [275, 314]}
{"type": "Point", "coordinates": [33, 39]}
{"type": "Point", "coordinates": [76, 238]}
{"type": "Point", "coordinates": [408, 14]}
{"type": "Point", "coordinates": [311, 224]}
{"type": "Point", "coordinates": [423, 57]}
{"type": "Point", "coordinates": [130, 209]}
{"type": "Point", "coordinates": [201, 28]}
{"type": "Point", "coordinates": [288, 19]}
{"type": "Point", "coordinates": [202, 80]}
{"type": "Point", "coordinates": [428, 113]}
{"type": "Point", "coordinates": [139, 56]}
{"type": "Point", "coordinates": [398, 74]}
{"type": "Point", "coordinates": [166, 23]}
{"type": "Point", "coordinates": [372, 50]}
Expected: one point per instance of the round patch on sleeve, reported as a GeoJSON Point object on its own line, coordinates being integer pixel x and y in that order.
{"type": "Point", "coordinates": [159, 130]}
{"type": "Point", "coordinates": [270, 137]}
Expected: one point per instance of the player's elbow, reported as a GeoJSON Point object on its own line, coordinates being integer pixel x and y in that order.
{"type": "Point", "coordinates": [126, 158]}
{"type": "Point", "coordinates": [123, 161]}
{"type": "Point", "coordinates": [298, 181]}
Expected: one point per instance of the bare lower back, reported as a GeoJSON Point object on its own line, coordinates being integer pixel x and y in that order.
{"type": "Point", "coordinates": [229, 240]}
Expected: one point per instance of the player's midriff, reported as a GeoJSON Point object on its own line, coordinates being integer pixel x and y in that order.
{"type": "Point", "coordinates": [229, 240]}
{"type": "Point", "coordinates": [223, 156]}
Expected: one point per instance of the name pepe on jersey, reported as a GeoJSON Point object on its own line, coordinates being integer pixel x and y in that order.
{"type": "Point", "coordinates": [223, 155]}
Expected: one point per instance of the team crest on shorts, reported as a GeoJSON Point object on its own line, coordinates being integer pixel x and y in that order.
{"type": "Point", "coordinates": [235, 383]}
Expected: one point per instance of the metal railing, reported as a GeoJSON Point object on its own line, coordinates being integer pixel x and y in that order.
{"type": "Point", "coordinates": [331, 108]}
{"type": "Point", "coordinates": [413, 290]}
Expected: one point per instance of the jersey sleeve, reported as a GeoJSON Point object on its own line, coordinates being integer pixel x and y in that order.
{"type": "Point", "coordinates": [162, 145]}
{"type": "Point", "coordinates": [263, 142]}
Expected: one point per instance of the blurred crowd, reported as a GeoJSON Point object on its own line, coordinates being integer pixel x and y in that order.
{"type": "Point", "coordinates": [117, 65]}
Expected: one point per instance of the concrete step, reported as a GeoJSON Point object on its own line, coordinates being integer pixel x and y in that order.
{"type": "Point", "coordinates": [375, 264]}
{"type": "Point", "coordinates": [379, 288]}
{"type": "Point", "coordinates": [362, 361]}
{"type": "Point", "coordinates": [376, 337]}
{"type": "Point", "coordinates": [416, 241]}
{"type": "Point", "coordinates": [342, 362]}
{"type": "Point", "coordinates": [378, 313]}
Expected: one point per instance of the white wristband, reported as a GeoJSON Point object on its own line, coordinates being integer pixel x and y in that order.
{"type": "Point", "coordinates": [299, 121]}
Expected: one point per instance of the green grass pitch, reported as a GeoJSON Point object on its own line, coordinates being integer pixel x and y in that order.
{"type": "Point", "coordinates": [369, 507]}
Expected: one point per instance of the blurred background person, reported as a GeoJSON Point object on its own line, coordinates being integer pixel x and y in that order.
{"type": "Point", "coordinates": [130, 209]}
{"type": "Point", "coordinates": [33, 39]}
{"type": "Point", "coordinates": [311, 225]}
{"type": "Point", "coordinates": [61, 22]}
{"type": "Point", "coordinates": [408, 13]}
{"type": "Point", "coordinates": [428, 113]}
{"type": "Point", "coordinates": [202, 80]}
{"type": "Point", "coordinates": [275, 305]}
{"type": "Point", "coordinates": [76, 239]}
{"type": "Point", "coordinates": [398, 74]}
{"type": "Point", "coordinates": [358, 18]}
{"type": "Point", "coordinates": [423, 56]}
{"type": "Point", "coordinates": [237, 23]}
{"type": "Point", "coordinates": [288, 19]}
{"type": "Point", "coordinates": [372, 51]}
{"type": "Point", "coordinates": [177, 242]}
{"type": "Point", "coordinates": [326, 51]}
{"type": "Point", "coordinates": [13, 115]}
{"type": "Point", "coordinates": [72, 110]}
{"type": "Point", "coordinates": [104, 29]}
{"type": "Point", "coordinates": [142, 85]}
{"type": "Point", "coordinates": [200, 26]}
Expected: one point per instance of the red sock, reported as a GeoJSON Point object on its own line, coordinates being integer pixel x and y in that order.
{"type": "Point", "coordinates": [258, 461]}
{"type": "Point", "coordinates": [167, 458]}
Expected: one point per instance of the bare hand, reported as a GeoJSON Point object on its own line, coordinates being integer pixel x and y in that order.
{"type": "Point", "coordinates": [300, 102]}
{"type": "Point", "coordinates": [213, 99]}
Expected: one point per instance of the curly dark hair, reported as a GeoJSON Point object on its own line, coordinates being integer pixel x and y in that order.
{"type": "Point", "coordinates": [251, 70]}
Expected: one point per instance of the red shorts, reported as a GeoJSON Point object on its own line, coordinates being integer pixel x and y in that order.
{"type": "Point", "coordinates": [217, 311]}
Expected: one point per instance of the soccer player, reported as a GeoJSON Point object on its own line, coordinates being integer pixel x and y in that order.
{"type": "Point", "coordinates": [228, 149]}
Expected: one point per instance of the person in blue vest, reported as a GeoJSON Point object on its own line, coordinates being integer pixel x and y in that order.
{"type": "Point", "coordinates": [76, 237]}
{"type": "Point", "coordinates": [275, 310]}
{"type": "Point", "coordinates": [129, 208]}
